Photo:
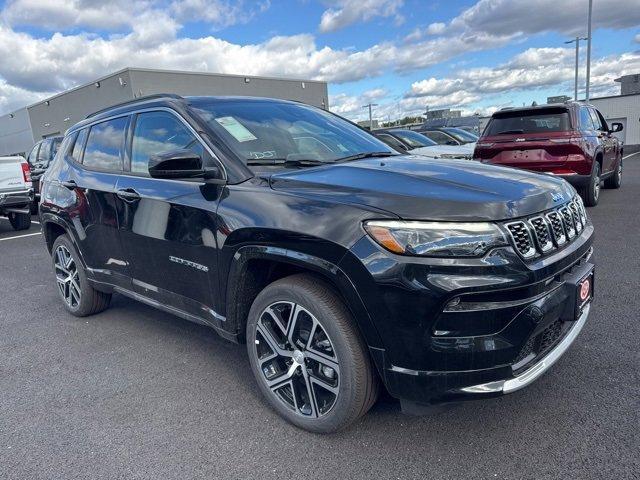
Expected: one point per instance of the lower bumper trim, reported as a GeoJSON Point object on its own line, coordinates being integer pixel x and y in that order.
{"type": "Point", "coordinates": [531, 374]}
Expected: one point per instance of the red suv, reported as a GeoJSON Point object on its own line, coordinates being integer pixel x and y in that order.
{"type": "Point", "coordinates": [570, 140]}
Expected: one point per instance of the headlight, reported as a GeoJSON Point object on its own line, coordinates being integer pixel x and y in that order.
{"type": "Point", "coordinates": [436, 239]}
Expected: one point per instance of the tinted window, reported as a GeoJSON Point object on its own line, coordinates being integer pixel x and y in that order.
{"type": "Point", "coordinates": [462, 135]}
{"type": "Point", "coordinates": [391, 141]}
{"type": "Point", "coordinates": [272, 131]}
{"type": "Point", "coordinates": [104, 145]}
{"type": "Point", "coordinates": [33, 154]}
{"type": "Point", "coordinates": [598, 121]}
{"type": "Point", "coordinates": [414, 139]}
{"type": "Point", "coordinates": [534, 121]}
{"type": "Point", "coordinates": [586, 120]}
{"type": "Point", "coordinates": [76, 153]}
{"type": "Point", "coordinates": [159, 132]}
{"type": "Point", "coordinates": [55, 145]}
{"type": "Point", "coordinates": [439, 137]}
{"type": "Point", "coordinates": [45, 151]}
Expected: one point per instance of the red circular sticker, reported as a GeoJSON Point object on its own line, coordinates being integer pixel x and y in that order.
{"type": "Point", "coordinates": [584, 290]}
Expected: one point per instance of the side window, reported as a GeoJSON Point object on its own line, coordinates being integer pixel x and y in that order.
{"type": "Point", "coordinates": [104, 145]}
{"type": "Point", "coordinates": [55, 145]}
{"type": "Point", "coordinates": [159, 132]}
{"type": "Point", "coordinates": [45, 151]}
{"type": "Point", "coordinates": [76, 153]}
{"type": "Point", "coordinates": [438, 137]}
{"type": "Point", "coordinates": [586, 121]}
{"type": "Point", "coordinates": [33, 154]}
{"type": "Point", "coordinates": [392, 142]}
{"type": "Point", "coordinates": [598, 120]}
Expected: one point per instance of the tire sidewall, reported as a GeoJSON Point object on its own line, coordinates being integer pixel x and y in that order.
{"type": "Point", "coordinates": [83, 306]}
{"type": "Point", "coordinates": [341, 410]}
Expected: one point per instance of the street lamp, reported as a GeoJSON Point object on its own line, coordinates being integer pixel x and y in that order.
{"type": "Point", "coordinates": [575, 85]}
{"type": "Point", "coordinates": [369, 106]}
{"type": "Point", "coordinates": [589, 51]}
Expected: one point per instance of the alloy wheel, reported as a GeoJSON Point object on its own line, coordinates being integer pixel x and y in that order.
{"type": "Point", "coordinates": [67, 276]}
{"type": "Point", "coordinates": [297, 359]}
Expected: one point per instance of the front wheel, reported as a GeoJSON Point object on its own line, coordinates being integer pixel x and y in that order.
{"type": "Point", "coordinates": [20, 221]}
{"type": "Point", "coordinates": [307, 355]}
{"type": "Point", "coordinates": [590, 193]}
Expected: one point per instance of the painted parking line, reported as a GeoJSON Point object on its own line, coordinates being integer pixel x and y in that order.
{"type": "Point", "coordinates": [20, 236]}
{"type": "Point", "coordinates": [630, 155]}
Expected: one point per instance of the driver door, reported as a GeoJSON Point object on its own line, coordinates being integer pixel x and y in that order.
{"type": "Point", "coordinates": [167, 227]}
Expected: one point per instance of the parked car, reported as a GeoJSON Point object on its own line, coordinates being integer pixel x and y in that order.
{"type": "Point", "coordinates": [340, 263]}
{"type": "Point", "coordinates": [39, 159]}
{"type": "Point", "coordinates": [571, 140]}
{"type": "Point", "coordinates": [413, 142]}
{"type": "Point", "coordinates": [450, 136]}
{"type": "Point", "coordinates": [16, 193]}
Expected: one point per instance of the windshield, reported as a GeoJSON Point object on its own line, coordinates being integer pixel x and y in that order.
{"type": "Point", "coordinates": [462, 135]}
{"type": "Point", "coordinates": [414, 139]}
{"type": "Point", "coordinates": [264, 131]}
{"type": "Point", "coordinates": [534, 121]}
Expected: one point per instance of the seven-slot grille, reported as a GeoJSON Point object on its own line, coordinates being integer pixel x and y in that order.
{"type": "Point", "coordinates": [543, 233]}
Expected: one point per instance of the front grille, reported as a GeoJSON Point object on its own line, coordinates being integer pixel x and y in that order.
{"type": "Point", "coordinates": [538, 345]}
{"type": "Point", "coordinates": [545, 233]}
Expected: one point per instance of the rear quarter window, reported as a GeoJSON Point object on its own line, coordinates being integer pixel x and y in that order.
{"type": "Point", "coordinates": [538, 121]}
{"type": "Point", "coordinates": [105, 144]}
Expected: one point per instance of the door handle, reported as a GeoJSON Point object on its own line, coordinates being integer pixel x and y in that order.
{"type": "Point", "coordinates": [128, 194]}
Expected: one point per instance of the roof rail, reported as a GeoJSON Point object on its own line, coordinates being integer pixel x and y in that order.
{"type": "Point", "coordinates": [135, 100]}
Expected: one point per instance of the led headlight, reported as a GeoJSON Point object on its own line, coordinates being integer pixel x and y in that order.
{"type": "Point", "coordinates": [436, 239]}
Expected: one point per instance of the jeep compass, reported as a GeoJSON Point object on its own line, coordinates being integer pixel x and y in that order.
{"type": "Point", "coordinates": [341, 264]}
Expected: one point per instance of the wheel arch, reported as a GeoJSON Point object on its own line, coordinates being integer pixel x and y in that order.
{"type": "Point", "coordinates": [254, 267]}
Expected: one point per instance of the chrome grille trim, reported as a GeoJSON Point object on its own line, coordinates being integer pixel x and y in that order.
{"type": "Point", "coordinates": [541, 233]}
{"type": "Point", "coordinates": [548, 231]}
{"type": "Point", "coordinates": [557, 227]}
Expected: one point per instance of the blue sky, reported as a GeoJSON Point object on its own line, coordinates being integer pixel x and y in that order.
{"type": "Point", "coordinates": [402, 54]}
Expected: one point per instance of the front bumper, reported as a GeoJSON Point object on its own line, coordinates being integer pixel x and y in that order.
{"type": "Point", "coordinates": [512, 324]}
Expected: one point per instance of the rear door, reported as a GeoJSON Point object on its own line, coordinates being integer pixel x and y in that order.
{"type": "Point", "coordinates": [96, 163]}
{"type": "Point", "coordinates": [167, 227]}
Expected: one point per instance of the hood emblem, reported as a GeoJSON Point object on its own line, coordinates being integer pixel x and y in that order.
{"type": "Point", "coordinates": [557, 197]}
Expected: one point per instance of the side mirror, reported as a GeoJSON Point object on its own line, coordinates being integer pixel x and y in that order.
{"type": "Point", "coordinates": [182, 164]}
{"type": "Point", "coordinates": [616, 127]}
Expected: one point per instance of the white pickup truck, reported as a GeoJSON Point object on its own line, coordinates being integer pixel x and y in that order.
{"type": "Point", "coordinates": [16, 191]}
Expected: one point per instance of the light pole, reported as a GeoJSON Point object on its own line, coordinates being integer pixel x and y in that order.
{"type": "Point", "coordinates": [369, 106]}
{"type": "Point", "coordinates": [589, 51]}
{"type": "Point", "coordinates": [575, 84]}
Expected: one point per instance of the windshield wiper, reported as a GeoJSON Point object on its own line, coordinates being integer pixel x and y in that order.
{"type": "Point", "coordinates": [286, 162]}
{"type": "Point", "coordinates": [360, 156]}
{"type": "Point", "coordinates": [510, 131]}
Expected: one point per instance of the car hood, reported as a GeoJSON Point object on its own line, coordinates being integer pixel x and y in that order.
{"type": "Point", "coordinates": [440, 189]}
{"type": "Point", "coordinates": [436, 150]}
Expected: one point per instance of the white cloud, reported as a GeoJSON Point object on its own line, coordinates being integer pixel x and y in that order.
{"type": "Point", "coordinates": [508, 17]}
{"type": "Point", "coordinates": [637, 39]}
{"type": "Point", "coordinates": [347, 12]}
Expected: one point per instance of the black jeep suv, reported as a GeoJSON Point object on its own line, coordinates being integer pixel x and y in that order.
{"type": "Point", "coordinates": [340, 263]}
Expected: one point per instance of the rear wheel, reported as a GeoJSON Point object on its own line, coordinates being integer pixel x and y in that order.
{"type": "Point", "coordinates": [79, 297]}
{"type": "Point", "coordinates": [307, 355]}
{"type": "Point", "coordinates": [590, 193]}
{"type": "Point", "coordinates": [20, 221]}
{"type": "Point", "coordinates": [615, 180]}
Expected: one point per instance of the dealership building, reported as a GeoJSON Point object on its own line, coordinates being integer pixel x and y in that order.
{"type": "Point", "coordinates": [19, 130]}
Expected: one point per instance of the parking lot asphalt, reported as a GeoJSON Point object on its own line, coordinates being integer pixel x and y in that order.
{"type": "Point", "coordinates": [136, 393]}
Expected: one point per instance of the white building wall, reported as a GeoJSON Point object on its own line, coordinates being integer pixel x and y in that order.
{"type": "Point", "coordinates": [625, 109]}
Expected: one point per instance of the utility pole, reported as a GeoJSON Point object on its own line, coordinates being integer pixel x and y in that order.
{"type": "Point", "coordinates": [369, 106]}
{"type": "Point", "coordinates": [589, 51]}
{"type": "Point", "coordinates": [575, 84]}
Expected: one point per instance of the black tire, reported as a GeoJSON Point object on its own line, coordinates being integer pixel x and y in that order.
{"type": "Point", "coordinates": [615, 180]}
{"type": "Point", "coordinates": [590, 193]}
{"type": "Point", "coordinates": [90, 301]}
{"type": "Point", "coordinates": [357, 382]}
{"type": "Point", "coordinates": [20, 221]}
